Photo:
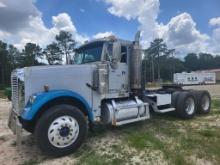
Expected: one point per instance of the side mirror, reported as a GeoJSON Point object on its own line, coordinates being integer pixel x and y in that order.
{"type": "Point", "coordinates": [116, 53]}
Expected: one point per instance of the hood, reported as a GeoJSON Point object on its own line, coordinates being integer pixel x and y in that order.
{"type": "Point", "coordinates": [59, 77]}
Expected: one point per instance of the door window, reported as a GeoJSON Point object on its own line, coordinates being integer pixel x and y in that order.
{"type": "Point", "coordinates": [123, 54]}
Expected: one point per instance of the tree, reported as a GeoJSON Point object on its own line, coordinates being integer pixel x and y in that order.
{"type": "Point", "coordinates": [31, 54]}
{"type": "Point", "coordinates": [53, 54]}
{"type": "Point", "coordinates": [3, 63]}
{"type": "Point", "coordinates": [170, 53]}
{"type": "Point", "coordinates": [66, 44]}
{"type": "Point", "coordinates": [157, 48]}
{"type": "Point", "coordinates": [14, 56]}
{"type": "Point", "coordinates": [206, 61]}
{"type": "Point", "coordinates": [149, 59]}
{"type": "Point", "coordinates": [216, 62]}
{"type": "Point", "coordinates": [191, 62]}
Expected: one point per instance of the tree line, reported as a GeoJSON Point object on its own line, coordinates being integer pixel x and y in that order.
{"type": "Point", "coordinates": [32, 55]}
{"type": "Point", "coordinates": [160, 61]}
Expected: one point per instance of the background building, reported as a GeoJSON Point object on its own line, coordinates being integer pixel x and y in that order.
{"type": "Point", "coordinates": [216, 71]}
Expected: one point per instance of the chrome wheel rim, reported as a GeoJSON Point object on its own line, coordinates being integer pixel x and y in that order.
{"type": "Point", "coordinates": [190, 106]}
{"type": "Point", "coordinates": [63, 131]}
{"type": "Point", "coordinates": [205, 103]}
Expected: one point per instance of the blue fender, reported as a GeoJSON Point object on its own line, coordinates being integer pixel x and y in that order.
{"type": "Point", "coordinates": [42, 98]}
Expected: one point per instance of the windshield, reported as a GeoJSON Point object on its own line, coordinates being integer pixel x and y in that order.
{"type": "Point", "coordinates": [89, 53]}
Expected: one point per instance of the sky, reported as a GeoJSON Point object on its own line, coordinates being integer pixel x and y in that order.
{"type": "Point", "coordinates": [186, 25]}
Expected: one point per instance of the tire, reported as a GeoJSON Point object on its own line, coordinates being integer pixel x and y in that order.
{"type": "Point", "coordinates": [174, 98]}
{"type": "Point", "coordinates": [203, 102]}
{"type": "Point", "coordinates": [186, 105]}
{"type": "Point", "coordinates": [61, 130]}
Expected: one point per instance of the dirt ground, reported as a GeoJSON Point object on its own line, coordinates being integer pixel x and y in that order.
{"type": "Point", "coordinates": [156, 141]}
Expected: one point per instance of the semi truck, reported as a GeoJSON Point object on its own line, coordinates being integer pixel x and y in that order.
{"type": "Point", "coordinates": [194, 78]}
{"type": "Point", "coordinates": [104, 86]}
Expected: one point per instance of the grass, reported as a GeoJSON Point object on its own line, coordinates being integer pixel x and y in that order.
{"type": "Point", "coordinates": [88, 156]}
{"type": "Point", "coordinates": [31, 162]}
{"type": "Point", "coordinates": [178, 142]}
{"type": "Point", "coordinates": [155, 137]}
{"type": "Point", "coordinates": [215, 104]}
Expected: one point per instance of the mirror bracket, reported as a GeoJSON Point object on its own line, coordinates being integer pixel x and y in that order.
{"type": "Point", "coordinates": [116, 54]}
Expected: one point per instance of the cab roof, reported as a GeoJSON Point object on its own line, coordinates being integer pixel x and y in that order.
{"type": "Point", "coordinates": [101, 41]}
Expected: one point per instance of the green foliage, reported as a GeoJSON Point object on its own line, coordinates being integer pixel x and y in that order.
{"type": "Point", "coordinates": [191, 61]}
{"type": "Point", "coordinates": [4, 63]}
{"type": "Point", "coordinates": [66, 44]}
{"type": "Point", "coordinates": [156, 50]}
{"type": "Point", "coordinates": [30, 54]}
{"type": "Point", "coordinates": [201, 61]}
{"type": "Point", "coordinates": [161, 60]}
{"type": "Point", "coordinates": [2, 86]}
{"type": "Point", "coordinates": [53, 54]}
{"type": "Point", "coordinates": [7, 93]}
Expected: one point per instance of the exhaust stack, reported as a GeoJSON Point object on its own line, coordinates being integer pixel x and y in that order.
{"type": "Point", "coordinates": [136, 66]}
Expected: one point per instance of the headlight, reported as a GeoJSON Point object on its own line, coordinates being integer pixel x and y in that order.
{"type": "Point", "coordinates": [32, 99]}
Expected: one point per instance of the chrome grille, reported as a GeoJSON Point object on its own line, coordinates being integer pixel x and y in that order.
{"type": "Point", "coordinates": [17, 93]}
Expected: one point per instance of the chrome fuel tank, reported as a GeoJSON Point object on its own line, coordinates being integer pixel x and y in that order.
{"type": "Point", "coordinates": [122, 112]}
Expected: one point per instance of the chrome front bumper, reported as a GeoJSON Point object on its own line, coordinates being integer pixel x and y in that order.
{"type": "Point", "coordinates": [15, 125]}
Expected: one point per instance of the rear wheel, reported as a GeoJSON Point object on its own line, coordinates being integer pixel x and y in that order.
{"type": "Point", "coordinates": [186, 105]}
{"type": "Point", "coordinates": [203, 101]}
{"type": "Point", "coordinates": [174, 98]}
{"type": "Point", "coordinates": [61, 130]}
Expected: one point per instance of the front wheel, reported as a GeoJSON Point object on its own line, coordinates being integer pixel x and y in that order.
{"type": "Point", "coordinates": [61, 130]}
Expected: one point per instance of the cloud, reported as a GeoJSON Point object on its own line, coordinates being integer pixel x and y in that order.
{"type": "Point", "coordinates": [37, 32]}
{"type": "Point", "coordinates": [27, 25]}
{"type": "Point", "coordinates": [2, 5]}
{"type": "Point", "coordinates": [215, 21]}
{"type": "Point", "coordinates": [215, 34]}
{"type": "Point", "coordinates": [102, 35]}
{"type": "Point", "coordinates": [144, 11]}
{"type": "Point", "coordinates": [14, 15]}
{"type": "Point", "coordinates": [21, 22]}
{"type": "Point", "coordinates": [63, 22]}
{"type": "Point", "coordinates": [180, 32]}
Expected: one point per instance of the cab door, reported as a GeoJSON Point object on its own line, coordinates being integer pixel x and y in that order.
{"type": "Point", "coordinates": [118, 77]}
